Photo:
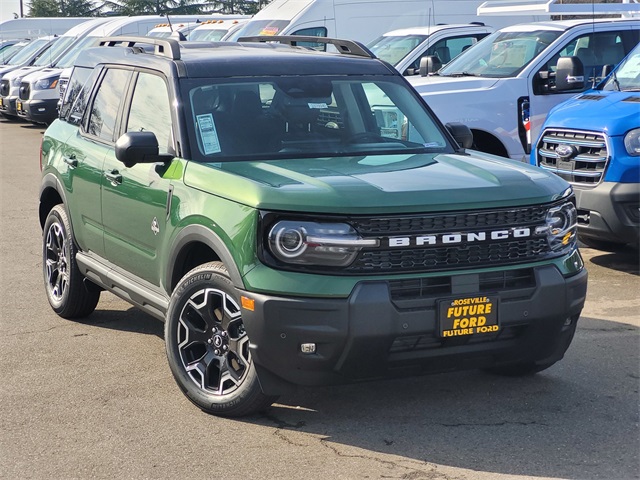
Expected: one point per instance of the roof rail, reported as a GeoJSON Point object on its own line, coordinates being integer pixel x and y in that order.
{"type": "Point", "coordinates": [348, 47]}
{"type": "Point", "coordinates": [165, 47]}
{"type": "Point", "coordinates": [550, 7]}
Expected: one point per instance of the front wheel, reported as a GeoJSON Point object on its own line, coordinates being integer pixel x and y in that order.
{"type": "Point", "coordinates": [208, 347]}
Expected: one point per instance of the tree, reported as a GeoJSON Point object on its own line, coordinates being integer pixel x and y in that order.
{"type": "Point", "coordinates": [64, 8]}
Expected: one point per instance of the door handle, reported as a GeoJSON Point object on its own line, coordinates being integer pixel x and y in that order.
{"type": "Point", "coordinates": [114, 177]}
{"type": "Point", "coordinates": [71, 160]}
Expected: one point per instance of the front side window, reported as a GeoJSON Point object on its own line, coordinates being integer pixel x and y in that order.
{"type": "Point", "coordinates": [500, 55]}
{"type": "Point", "coordinates": [318, 116]}
{"type": "Point", "coordinates": [151, 111]}
{"type": "Point", "coordinates": [393, 49]}
{"type": "Point", "coordinates": [104, 111]}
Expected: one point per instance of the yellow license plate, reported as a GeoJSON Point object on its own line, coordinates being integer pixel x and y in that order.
{"type": "Point", "coordinates": [1, 104]}
{"type": "Point", "coordinates": [19, 106]}
{"type": "Point", "coordinates": [463, 316]}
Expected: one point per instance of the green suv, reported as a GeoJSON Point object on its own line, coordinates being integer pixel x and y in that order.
{"type": "Point", "coordinates": [298, 217]}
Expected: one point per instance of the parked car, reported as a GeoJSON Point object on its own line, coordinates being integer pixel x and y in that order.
{"type": "Point", "coordinates": [505, 85]}
{"type": "Point", "coordinates": [593, 142]}
{"type": "Point", "coordinates": [405, 48]}
{"type": "Point", "coordinates": [286, 233]}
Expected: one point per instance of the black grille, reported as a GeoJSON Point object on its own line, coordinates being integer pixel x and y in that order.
{"type": "Point", "coordinates": [584, 164]}
{"type": "Point", "coordinates": [62, 85]}
{"type": "Point", "coordinates": [450, 221]}
{"type": "Point", "coordinates": [24, 91]}
{"type": "Point", "coordinates": [4, 88]}
{"type": "Point", "coordinates": [451, 257]}
{"type": "Point", "coordinates": [437, 287]}
{"type": "Point", "coordinates": [429, 341]}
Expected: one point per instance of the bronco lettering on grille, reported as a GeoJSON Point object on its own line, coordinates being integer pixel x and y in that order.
{"type": "Point", "coordinates": [458, 238]}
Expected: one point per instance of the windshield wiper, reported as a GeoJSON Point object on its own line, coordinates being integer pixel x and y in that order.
{"type": "Point", "coordinates": [614, 79]}
{"type": "Point", "coordinates": [461, 74]}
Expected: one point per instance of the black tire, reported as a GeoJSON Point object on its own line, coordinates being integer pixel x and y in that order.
{"type": "Point", "coordinates": [64, 284]}
{"type": "Point", "coordinates": [207, 346]}
{"type": "Point", "coordinates": [603, 245]}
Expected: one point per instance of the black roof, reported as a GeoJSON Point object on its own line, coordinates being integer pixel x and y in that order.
{"type": "Point", "coordinates": [231, 59]}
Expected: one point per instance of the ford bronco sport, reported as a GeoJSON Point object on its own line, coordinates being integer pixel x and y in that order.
{"type": "Point", "coordinates": [298, 217]}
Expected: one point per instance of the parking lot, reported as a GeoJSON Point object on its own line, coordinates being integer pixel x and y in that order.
{"type": "Point", "coordinates": [96, 398]}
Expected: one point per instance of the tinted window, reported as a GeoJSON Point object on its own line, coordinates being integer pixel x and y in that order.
{"type": "Point", "coordinates": [102, 121]}
{"type": "Point", "coordinates": [75, 98]}
{"type": "Point", "coordinates": [151, 111]}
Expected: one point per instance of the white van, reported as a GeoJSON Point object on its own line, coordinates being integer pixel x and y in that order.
{"type": "Point", "coordinates": [215, 30]}
{"type": "Point", "coordinates": [361, 20]}
{"type": "Point", "coordinates": [19, 28]}
{"type": "Point", "coordinates": [504, 86]}
{"type": "Point", "coordinates": [39, 104]}
{"type": "Point", "coordinates": [405, 48]}
{"type": "Point", "coordinates": [186, 27]}
{"type": "Point", "coordinates": [10, 83]}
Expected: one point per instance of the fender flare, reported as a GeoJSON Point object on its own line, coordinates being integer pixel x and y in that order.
{"type": "Point", "coordinates": [51, 181]}
{"type": "Point", "coordinates": [199, 233]}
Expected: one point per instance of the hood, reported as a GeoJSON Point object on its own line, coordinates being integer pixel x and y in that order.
{"type": "Point", "coordinates": [611, 112]}
{"type": "Point", "coordinates": [44, 73]}
{"type": "Point", "coordinates": [21, 72]}
{"type": "Point", "coordinates": [435, 83]}
{"type": "Point", "coordinates": [378, 184]}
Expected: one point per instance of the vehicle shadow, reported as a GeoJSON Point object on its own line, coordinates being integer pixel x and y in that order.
{"type": "Point", "coordinates": [562, 423]}
{"type": "Point", "coordinates": [576, 420]}
{"type": "Point", "coordinates": [626, 261]}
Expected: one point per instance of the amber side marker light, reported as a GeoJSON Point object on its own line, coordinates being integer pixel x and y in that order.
{"type": "Point", "coordinates": [248, 303]}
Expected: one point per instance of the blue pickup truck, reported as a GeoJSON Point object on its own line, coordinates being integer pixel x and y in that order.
{"type": "Point", "coordinates": [593, 142]}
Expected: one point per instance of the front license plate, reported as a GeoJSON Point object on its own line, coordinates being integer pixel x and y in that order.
{"type": "Point", "coordinates": [463, 316]}
{"type": "Point", "coordinates": [1, 103]}
{"type": "Point", "coordinates": [18, 106]}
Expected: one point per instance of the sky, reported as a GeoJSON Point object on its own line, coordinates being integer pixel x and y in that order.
{"type": "Point", "coordinates": [8, 7]}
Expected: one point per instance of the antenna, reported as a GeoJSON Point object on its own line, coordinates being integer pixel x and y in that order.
{"type": "Point", "coordinates": [169, 20]}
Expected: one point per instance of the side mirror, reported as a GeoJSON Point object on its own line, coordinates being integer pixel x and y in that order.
{"type": "Point", "coordinates": [139, 147]}
{"type": "Point", "coordinates": [569, 74]}
{"type": "Point", "coordinates": [461, 133]}
{"type": "Point", "coordinates": [607, 69]}
{"type": "Point", "coordinates": [429, 64]}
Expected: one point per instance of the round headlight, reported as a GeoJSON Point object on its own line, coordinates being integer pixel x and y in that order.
{"type": "Point", "coordinates": [289, 242]}
{"type": "Point", "coordinates": [632, 142]}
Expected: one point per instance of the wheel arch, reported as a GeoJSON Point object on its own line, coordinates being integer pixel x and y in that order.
{"type": "Point", "coordinates": [488, 143]}
{"type": "Point", "coordinates": [51, 194]}
{"type": "Point", "coordinates": [194, 246]}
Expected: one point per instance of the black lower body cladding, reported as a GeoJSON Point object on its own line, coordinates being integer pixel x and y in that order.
{"type": "Point", "coordinates": [372, 335]}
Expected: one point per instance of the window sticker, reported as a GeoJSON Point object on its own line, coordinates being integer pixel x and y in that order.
{"type": "Point", "coordinates": [208, 133]}
{"type": "Point", "coordinates": [317, 105]}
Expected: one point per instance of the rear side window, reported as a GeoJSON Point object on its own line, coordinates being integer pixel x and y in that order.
{"type": "Point", "coordinates": [75, 96]}
{"type": "Point", "coordinates": [104, 111]}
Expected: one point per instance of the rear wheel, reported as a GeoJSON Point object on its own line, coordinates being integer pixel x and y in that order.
{"type": "Point", "coordinates": [208, 347]}
{"type": "Point", "coordinates": [64, 284]}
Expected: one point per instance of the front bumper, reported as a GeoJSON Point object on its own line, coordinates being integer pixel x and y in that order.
{"type": "Point", "coordinates": [38, 111]}
{"type": "Point", "coordinates": [8, 105]}
{"type": "Point", "coordinates": [374, 333]}
{"type": "Point", "coordinates": [609, 212]}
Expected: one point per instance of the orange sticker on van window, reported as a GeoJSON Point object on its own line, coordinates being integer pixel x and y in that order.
{"type": "Point", "coordinates": [269, 31]}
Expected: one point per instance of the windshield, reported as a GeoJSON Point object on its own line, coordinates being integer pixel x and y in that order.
{"type": "Point", "coordinates": [28, 52]}
{"type": "Point", "coordinates": [68, 58]}
{"type": "Point", "coordinates": [207, 35]}
{"type": "Point", "coordinates": [308, 116]}
{"type": "Point", "coordinates": [393, 49]}
{"type": "Point", "coordinates": [159, 33]}
{"type": "Point", "coordinates": [502, 54]}
{"type": "Point", "coordinates": [260, 27]}
{"type": "Point", "coordinates": [627, 76]}
{"type": "Point", "coordinates": [9, 51]}
{"type": "Point", "coordinates": [52, 54]}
